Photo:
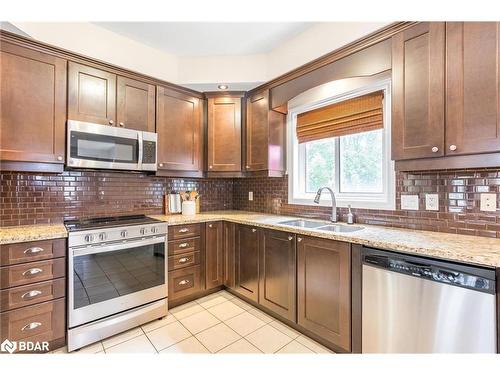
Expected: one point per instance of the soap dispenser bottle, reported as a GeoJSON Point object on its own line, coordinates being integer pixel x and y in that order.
{"type": "Point", "coordinates": [350, 216]}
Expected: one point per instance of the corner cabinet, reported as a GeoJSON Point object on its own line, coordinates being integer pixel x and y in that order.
{"type": "Point", "coordinates": [247, 262]}
{"type": "Point", "coordinates": [224, 134]}
{"type": "Point", "coordinates": [180, 133]}
{"type": "Point", "coordinates": [33, 106]}
{"type": "Point", "coordinates": [324, 289]}
{"type": "Point", "coordinates": [264, 137]}
{"type": "Point", "coordinates": [418, 71]}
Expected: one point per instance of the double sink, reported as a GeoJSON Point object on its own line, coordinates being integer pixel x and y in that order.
{"type": "Point", "coordinates": [310, 224]}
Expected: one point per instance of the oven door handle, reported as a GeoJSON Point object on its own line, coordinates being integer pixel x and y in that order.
{"type": "Point", "coordinates": [119, 246]}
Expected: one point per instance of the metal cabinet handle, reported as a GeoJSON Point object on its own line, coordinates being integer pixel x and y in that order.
{"type": "Point", "coordinates": [31, 294]}
{"type": "Point", "coordinates": [254, 230]}
{"type": "Point", "coordinates": [122, 124]}
{"type": "Point", "coordinates": [299, 239]}
{"type": "Point", "coordinates": [59, 158]}
{"type": "Point", "coordinates": [210, 166]}
{"type": "Point", "coordinates": [183, 245]}
{"type": "Point", "coordinates": [33, 250]}
{"type": "Point", "coordinates": [111, 122]}
{"type": "Point", "coordinates": [247, 167]}
{"type": "Point", "coordinates": [290, 238]}
{"type": "Point", "coordinates": [32, 271]}
{"type": "Point", "coordinates": [161, 164]}
{"type": "Point", "coordinates": [183, 282]}
{"type": "Point", "coordinates": [434, 149]}
{"type": "Point", "coordinates": [183, 260]}
{"type": "Point", "coordinates": [453, 147]}
{"type": "Point", "coordinates": [210, 225]}
{"type": "Point", "coordinates": [31, 326]}
{"type": "Point", "coordinates": [183, 230]}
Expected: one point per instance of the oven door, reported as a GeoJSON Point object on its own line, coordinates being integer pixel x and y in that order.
{"type": "Point", "coordinates": [102, 146]}
{"type": "Point", "coordinates": [109, 279]}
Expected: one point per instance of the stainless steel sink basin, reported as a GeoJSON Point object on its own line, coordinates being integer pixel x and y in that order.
{"type": "Point", "coordinates": [302, 223]}
{"type": "Point", "coordinates": [339, 228]}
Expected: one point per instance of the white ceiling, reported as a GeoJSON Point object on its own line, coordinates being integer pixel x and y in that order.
{"type": "Point", "coordinates": [209, 38]}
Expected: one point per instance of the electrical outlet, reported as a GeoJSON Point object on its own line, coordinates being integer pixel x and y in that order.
{"type": "Point", "coordinates": [250, 195]}
{"type": "Point", "coordinates": [409, 202]}
{"type": "Point", "coordinates": [488, 202]}
{"type": "Point", "coordinates": [432, 202]}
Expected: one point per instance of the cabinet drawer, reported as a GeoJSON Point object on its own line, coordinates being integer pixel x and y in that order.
{"type": "Point", "coordinates": [30, 251]}
{"type": "Point", "coordinates": [183, 260]}
{"type": "Point", "coordinates": [183, 282]}
{"type": "Point", "coordinates": [33, 272]}
{"type": "Point", "coordinates": [41, 322]}
{"type": "Point", "coordinates": [21, 296]}
{"type": "Point", "coordinates": [183, 231]}
{"type": "Point", "coordinates": [183, 246]}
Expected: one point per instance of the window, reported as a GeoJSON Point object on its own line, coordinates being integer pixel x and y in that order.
{"type": "Point", "coordinates": [357, 167]}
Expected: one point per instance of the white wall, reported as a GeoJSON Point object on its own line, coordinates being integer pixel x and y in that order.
{"type": "Point", "coordinates": [97, 42]}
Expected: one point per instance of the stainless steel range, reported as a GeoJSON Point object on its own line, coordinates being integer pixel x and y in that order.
{"type": "Point", "coordinates": [117, 276]}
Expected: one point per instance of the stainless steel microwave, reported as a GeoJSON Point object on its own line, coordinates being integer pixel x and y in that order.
{"type": "Point", "coordinates": [107, 147]}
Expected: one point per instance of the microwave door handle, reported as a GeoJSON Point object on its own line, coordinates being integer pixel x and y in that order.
{"type": "Point", "coordinates": [140, 143]}
{"type": "Point", "coordinates": [118, 246]}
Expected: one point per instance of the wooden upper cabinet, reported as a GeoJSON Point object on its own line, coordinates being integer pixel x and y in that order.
{"type": "Point", "coordinates": [324, 289]}
{"type": "Point", "coordinates": [91, 95]}
{"type": "Point", "coordinates": [214, 254]}
{"type": "Point", "coordinates": [135, 108]}
{"type": "Point", "coordinates": [418, 91]}
{"type": "Point", "coordinates": [472, 87]}
{"type": "Point", "coordinates": [33, 105]}
{"type": "Point", "coordinates": [277, 273]}
{"type": "Point", "coordinates": [224, 134]}
{"type": "Point", "coordinates": [265, 136]}
{"type": "Point", "coordinates": [178, 124]}
{"type": "Point", "coordinates": [247, 262]}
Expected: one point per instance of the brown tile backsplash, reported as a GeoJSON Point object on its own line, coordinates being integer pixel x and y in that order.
{"type": "Point", "coordinates": [458, 190]}
{"type": "Point", "coordinates": [31, 198]}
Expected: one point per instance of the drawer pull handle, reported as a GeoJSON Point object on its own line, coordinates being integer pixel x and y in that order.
{"type": "Point", "coordinates": [33, 250]}
{"type": "Point", "coordinates": [183, 282]}
{"type": "Point", "coordinates": [299, 239]}
{"type": "Point", "coordinates": [32, 271]}
{"type": "Point", "coordinates": [290, 238]}
{"type": "Point", "coordinates": [183, 260]}
{"type": "Point", "coordinates": [183, 230]}
{"type": "Point", "coordinates": [29, 327]}
{"type": "Point", "coordinates": [183, 245]}
{"type": "Point", "coordinates": [254, 230]}
{"type": "Point", "coordinates": [31, 294]}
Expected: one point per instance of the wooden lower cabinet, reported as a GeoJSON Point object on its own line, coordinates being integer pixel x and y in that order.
{"type": "Point", "coordinates": [214, 255]}
{"type": "Point", "coordinates": [277, 273]}
{"type": "Point", "coordinates": [247, 262]}
{"type": "Point", "coordinates": [324, 289]}
{"type": "Point", "coordinates": [184, 282]}
{"type": "Point", "coordinates": [229, 242]}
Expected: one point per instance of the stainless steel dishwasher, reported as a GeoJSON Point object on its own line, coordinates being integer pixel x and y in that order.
{"type": "Point", "coordinates": [418, 305]}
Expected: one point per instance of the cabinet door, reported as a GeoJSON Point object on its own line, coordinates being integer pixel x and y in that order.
{"type": "Point", "coordinates": [224, 134]}
{"type": "Point", "coordinates": [324, 289]}
{"type": "Point", "coordinates": [473, 89]}
{"type": "Point", "coordinates": [418, 65]}
{"type": "Point", "coordinates": [33, 105]}
{"type": "Point", "coordinates": [214, 255]}
{"type": "Point", "coordinates": [178, 124]}
{"type": "Point", "coordinates": [257, 132]}
{"type": "Point", "coordinates": [135, 104]}
{"type": "Point", "coordinates": [277, 273]}
{"type": "Point", "coordinates": [229, 254]}
{"type": "Point", "coordinates": [247, 262]}
{"type": "Point", "coordinates": [91, 95]}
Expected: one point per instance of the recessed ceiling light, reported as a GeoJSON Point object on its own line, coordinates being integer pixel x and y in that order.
{"type": "Point", "coordinates": [223, 87]}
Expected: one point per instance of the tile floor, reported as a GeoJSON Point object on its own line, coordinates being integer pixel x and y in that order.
{"type": "Point", "coordinates": [218, 323]}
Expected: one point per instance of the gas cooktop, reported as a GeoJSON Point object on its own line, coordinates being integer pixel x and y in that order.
{"type": "Point", "coordinates": [108, 222]}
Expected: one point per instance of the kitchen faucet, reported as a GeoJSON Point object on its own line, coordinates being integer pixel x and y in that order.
{"type": "Point", "coordinates": [333, 218]}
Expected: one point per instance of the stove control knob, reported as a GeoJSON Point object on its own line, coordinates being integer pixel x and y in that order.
{"type": "Point", "coordinates": [154, 229]}
{"type": "Point", "coordinates": [89, 238]}
{"type": "Point", "coordinates": [123, 233]}
{"type": "Point", "coordinates": [102, 236]}
{"type": "Point", "coordinates": [144, 231]}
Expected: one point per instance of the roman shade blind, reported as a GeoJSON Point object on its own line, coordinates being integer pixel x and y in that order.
{"type": "Point", "coordinates": [356, 115]}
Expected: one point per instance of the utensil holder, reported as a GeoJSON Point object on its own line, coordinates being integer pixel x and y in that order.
{"type": "Point", "coordinates": [189, 208]}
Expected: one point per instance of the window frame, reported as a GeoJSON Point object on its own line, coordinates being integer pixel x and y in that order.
{"type": "Point", "coordinates": [296, 159]}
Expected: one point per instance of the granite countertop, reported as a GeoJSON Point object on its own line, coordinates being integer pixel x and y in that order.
{"type": "Point", "coordinates": [25, 233]}
{"type": "Point", "coordinates": [474, 250]}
